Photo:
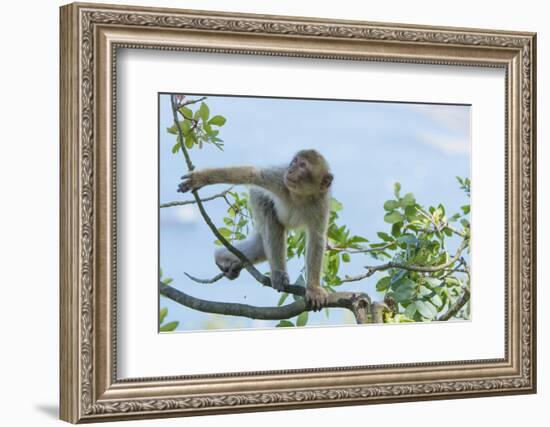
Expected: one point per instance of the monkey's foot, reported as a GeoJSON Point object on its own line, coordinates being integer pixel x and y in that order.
{"type": "Point", "coordinates": [317, 297]}
{"type": "Point", "coordinates": [231, 268]}
{"type": "Point", "coordinates": [279, 280]}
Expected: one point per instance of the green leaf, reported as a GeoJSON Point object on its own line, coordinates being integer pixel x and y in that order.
{"type": "Point", "coordinates": [209, 130]}
{"type": "Point", "coordinates": [168, 281]}
{"type": "Point", "coordinates": [436, 300]}
{"type": "Point", "coordinates": [225, 232]}
{"type": "Point", "coordinates": [396, 229]}
{"type": "Point", "coordinates": [424, 291]}
{"type": "Point", "coordinates": [187, 113]}
{"type": "Point", "coordinates": [302, 319]}
{"type": "Point", "coordinates": [168, 327]}
{"type": "Point", "coordinates": [455, 217]}
{"type": "Point", "coordinates": [162, 314]}
{"type": "Point", "coordinates": [204, 112]}
{"type": "Point", "coordinates": [217, 121]}
{"type": "Point", "coordinates": [283, 298]}
{"type": "Point", "coordinates": [426, 309]}
{"type": "Point", "coordinates": [396, 189]}
{"type": "Point", "coordinates": [185, 126]}
{"type": "Point", "coordinates": [410, 311]}
{"type": "Point", "coordinates": [390, 205]}
{"type": "Point", "coordinates": [408, 200]}
{"type": "Point", "coordinates": [432, 282]}
{"type": "Point", "coordinates": [452, 281]}
{"type": "Point", "coordinates": [284, 324]}
{"type": "Point", "coordinates": [403, 290]}
{"type": "Point", "coordinates": [393, 217]}
{"type": "Point", "coordinates": [409, 239]}
{"type": "Point", "coordinates": [358, 239]}
{"type": "Point", "coordinates": [176, 148]}
{"type": "Point", "coordinates": [335, 205]}
{"type": "Point", "coordinates": [190, 140]}
{"type": "Point", "coordinates": [346, 257]}
{"type": "Point", "coordinates": [410, 211]}
{"type": "Point", "coordinates": [385, 237]}
{"type": "Point", "coordinates": [383, 284]}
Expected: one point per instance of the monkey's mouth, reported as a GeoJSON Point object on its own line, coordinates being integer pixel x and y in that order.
{"type": "Point", "coordinates": [291, 184]}
{"type": "Point", "coordinates": [290, 181]}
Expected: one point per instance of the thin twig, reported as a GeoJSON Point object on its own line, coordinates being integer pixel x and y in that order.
{"type": "Point", "coordinates": [441, 226]}
{"type": "Point", "coordinates": [194, 101]}
{"type": "Point", "coordinates": [420, 268]}
{"type": "Point", "coordinates": [457, 269]}
{"type": "Point", "coordinates": [355, 278]}
{"type": "Point", "coordinates": [192, 202]}
{"type": "Point", "coordinates": [238, 211]}
{"type": "Point", "coordinates": [455, 308]}
{"type": "Point", "coordinates": [360, 251]}
{"type": "Point", "coordinates": [205, 281]}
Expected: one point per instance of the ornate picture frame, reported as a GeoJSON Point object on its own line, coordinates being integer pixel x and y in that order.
{"type": "Point", "coordinates": [91, 34]}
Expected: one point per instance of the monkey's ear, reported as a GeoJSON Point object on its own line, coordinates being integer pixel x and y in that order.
{"type": "Point", "coordinates": [326, 181]}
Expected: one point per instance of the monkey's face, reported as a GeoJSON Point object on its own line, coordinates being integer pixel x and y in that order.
{"type": "Point", "coordinates": [306, 177]}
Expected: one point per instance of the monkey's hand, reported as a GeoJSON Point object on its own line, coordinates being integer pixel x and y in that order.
{"type": "Point", "coordinates": [192, 181]}
{"type": "Point", "coordinates": [279, 280]}
{"type": "Point", "coordinates": [317, 297]}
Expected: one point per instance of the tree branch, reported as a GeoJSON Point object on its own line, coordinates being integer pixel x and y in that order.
{"type": "Point", "coordinates": [455, 308]}
{"type": "Point", "coordinates": [358, 302]}
{"type": "Point", "coordinates": [233, 309]}
{"type": "Point", "coordinates": [223, 194]}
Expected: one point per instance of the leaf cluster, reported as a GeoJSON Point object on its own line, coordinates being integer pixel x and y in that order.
{"type": "Point", "coordinates": [197, 127]}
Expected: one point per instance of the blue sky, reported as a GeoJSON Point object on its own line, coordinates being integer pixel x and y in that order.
{"type": "Point", "coordinates": [369, 145]}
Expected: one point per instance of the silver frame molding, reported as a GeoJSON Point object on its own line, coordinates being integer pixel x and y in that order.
{"type": "Point", "coordinates": [90, 37]}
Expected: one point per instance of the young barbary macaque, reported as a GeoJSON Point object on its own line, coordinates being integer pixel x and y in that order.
{"type": "Point", "coordinates": [281, 198]}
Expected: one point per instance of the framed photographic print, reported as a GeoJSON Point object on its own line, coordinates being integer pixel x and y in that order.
{"type": "Point", "coordinates": [267, 212]}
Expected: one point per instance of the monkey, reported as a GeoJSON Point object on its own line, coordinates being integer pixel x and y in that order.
{"type": "Point", "coordinates": [281, 198]}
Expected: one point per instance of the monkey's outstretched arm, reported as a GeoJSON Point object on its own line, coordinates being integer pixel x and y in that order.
{"type": "Point", "coordinates": [270, 179]}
